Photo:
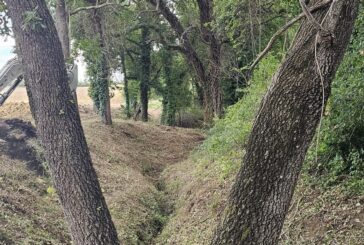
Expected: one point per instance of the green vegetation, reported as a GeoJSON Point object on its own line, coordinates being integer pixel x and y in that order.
{"type": "Point", "coordinates": [328, 187]}
{"type": "Point", "coordinates": [341, 144]}
{"type": "Point", "coordinates": [224, 146]}
{"type": "Point", "coordinates": [170, 67]}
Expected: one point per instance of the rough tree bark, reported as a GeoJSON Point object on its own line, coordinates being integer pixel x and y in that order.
{"type": "Point", "coordinates": [59, 126]}
{"type": "Point", "coordinates": [284, 128]}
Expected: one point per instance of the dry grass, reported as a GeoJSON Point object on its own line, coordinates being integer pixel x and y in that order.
{"type": "Point", "coordinates": [19, 99]}
{"type": "Point", "coordinates": [20, 96]}
{"type": "Point", "coordinates": [128, 158]}
{"type": "Point", "coordinates": [28, 215]}
{"type": "Point", "coordinates": [316, 216]}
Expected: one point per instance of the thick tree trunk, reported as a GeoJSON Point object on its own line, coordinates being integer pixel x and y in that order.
{"type": "Point", "coordinates": [283, 130]}
{"type": "Point", "coordinates": [104, 93]}
{"type": "Point", "coordinates": [145, 51]}
{"type": "Point", "coordinates": [59, 126]}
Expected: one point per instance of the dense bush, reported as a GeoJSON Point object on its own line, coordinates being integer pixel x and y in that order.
{"type": "Point", "coordinates": [341, 145]}
{"type": "Point", "coordinates": [227, 138]}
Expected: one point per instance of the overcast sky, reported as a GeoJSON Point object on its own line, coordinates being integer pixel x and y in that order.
{"type": "Point", "coordinates": [7, 46]}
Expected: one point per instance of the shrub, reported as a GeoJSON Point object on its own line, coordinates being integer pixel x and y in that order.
{"type": "Point", "coordinates": [341, 147]}
{"type": "Point", "coordinates": [225, 144]}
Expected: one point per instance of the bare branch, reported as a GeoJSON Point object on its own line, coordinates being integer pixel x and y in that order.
{"type": "Point", "coordinates": [97, 6]}
{"type": "Point", "coordinates": [285, 28]}
{"type": "Point", "coordinates": [310, 17]}
{"type": "Point", "coordinates": [162, 38]}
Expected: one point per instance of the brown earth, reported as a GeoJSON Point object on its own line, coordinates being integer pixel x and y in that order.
{"type": "Point", "coordinates": [20, 96]}
{"type": "Point", "coordinates": [128, 158]}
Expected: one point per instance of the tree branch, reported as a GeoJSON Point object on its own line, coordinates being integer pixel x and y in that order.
{"type": "Point", "coordinates": [283, 29]}
{"type": "Point", "coordinates": [98, 6]}
{"type": "Point", "coordinates": [309, 16]}
{"type": "Point", "coordinates": [187, 49]}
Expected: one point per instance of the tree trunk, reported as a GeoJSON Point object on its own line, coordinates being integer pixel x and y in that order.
{"type": "Point", "coordinates": [212, 83]}
{"type": "Point", "coordinates": [169, 92]}
{"type": "Point", "coordinates": [59, 126]}
{"type": "Point", "coordinates": [103, 93]}
{"type": "Point", "coordinates": [283, 130]}
{"type": "Point", "coordinates": [207, 73]}
{"type": "Point", "coordinates": [145, 50]}
{"type": "Point", "coordinates": [62, 26]}
{"type": "Point", "coordinates": [126, 84]}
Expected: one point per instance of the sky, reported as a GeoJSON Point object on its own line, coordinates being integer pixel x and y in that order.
{"type": "Point", "coordinates": [6, 53]}
{"type": "Point", "coordinates": [7, 45]}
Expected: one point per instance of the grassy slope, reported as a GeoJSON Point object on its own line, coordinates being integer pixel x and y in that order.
{"type": "Point", "coordinates": [316, 216]}
{"type": "Point", "coordinates": [128, 158]}
{"type": "Point", "coordinates": [202, 183]}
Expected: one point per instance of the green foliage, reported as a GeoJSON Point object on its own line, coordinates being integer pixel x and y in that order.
{"type": "Point", "coordinates": [32, 20]}
{"type": "Point", "coordinates": [158, 207]}
{"type": "Point", "coordinates": [225, 144]}
{"type": "Point", "coordinates": [249, 25]}
{"type": "Point", "coordinates": [95, 70]}
{"type": "Point", "coordinates": [175, 87]}
{"type": "Point", "coordinates": [341, 148]}
{"type": "Point", "coordinates": [4, 20]}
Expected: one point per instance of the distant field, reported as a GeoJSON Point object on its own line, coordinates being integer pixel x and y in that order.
{"type": "Point", "coordinates": [20, 95]}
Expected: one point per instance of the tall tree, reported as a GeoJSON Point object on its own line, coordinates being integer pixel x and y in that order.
{"type": "Point", "coordinates": [145, 62]}
{"type": "Point", "coordinates": [284, 127]}
{"type": "Point", "coordinates": [62, 25]}
{"type": "Point", "coordinates": [104, 69]}
{"type": "Point", "coordinates": [168, 116]}
{"type": "Point", "coordinates": [90, 37]}
{"type": "Point", "coordinates": [208, 73]}
{"type": "Point", "coordinates": [58, 124]}
{"type": "Point", "coordinates": [126, 82]}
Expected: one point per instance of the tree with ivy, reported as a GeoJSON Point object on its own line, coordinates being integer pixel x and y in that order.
{"type": "Point", "coordinates": [90, 38]}
{"type": "Point", "coordinates": [175, 89]}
